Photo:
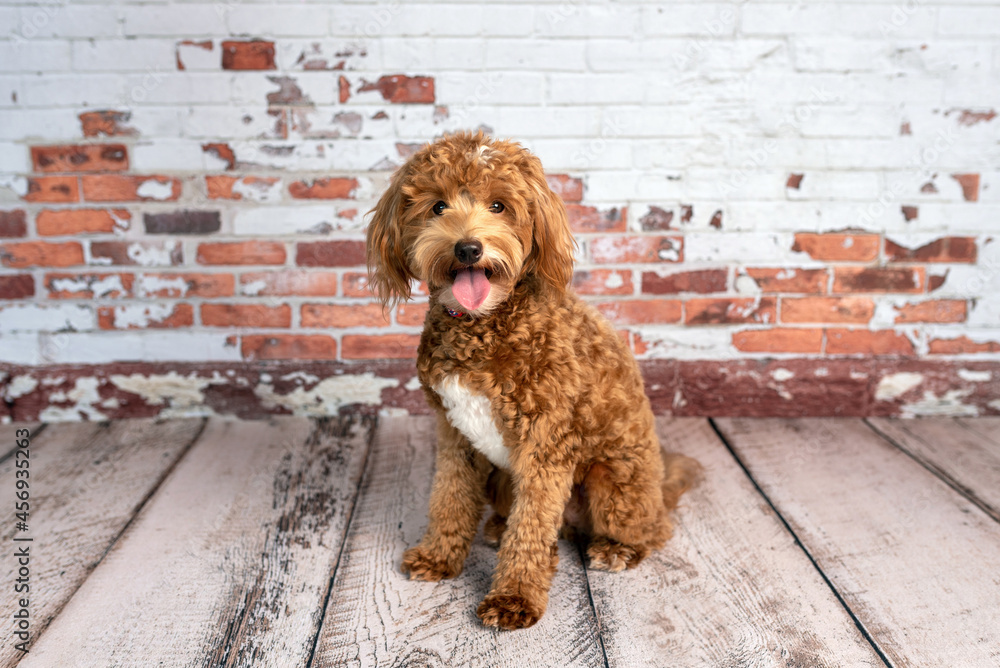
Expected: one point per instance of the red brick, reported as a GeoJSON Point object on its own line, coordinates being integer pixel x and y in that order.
{"type": "Point", "coordinates": [241, 253]}
{"type": "Point", "coordinates": [970, 186]}
{"type": "Point", "coordinates": [255, 55]}
{"type": "Point", "coordinates": [246, 315]}
{"type": "Point", "coordinates": [791, 279]}
{"type": "Point", "coordinates": [182, 222]}
{"type": "Point", "coordinates": [288, 347]}
{"type": "Point", "coordinates": [387, 346]}
{"type": "Point", "coordinates": [17, 286]}
{"type": "Point", "coordinates": [88, 286]}
{"type": "Point", "coordinates": [56, 189]}
{"type": "Point", "coordinates": [657, 219]}
{"type": "Point", "coordinates": [51, 222]}
{"type": "Point", "coordinates": [80, 158]}
{"type": "Point", "coordinates": [962, 345]}
{"type": "Point", "coordinates": [702, 281]}
{"type": "Point", "coordinates": [290, 283]}
{"type": "Point", "coordinates": [125, 188]}
{"type": "Point", "coordinates": [838, 247]}
{"type": "Point", "coordinates": [13, 224]}
{"type": "Point", "coordinates": [41, 254]}
{"type": "Point", "coordinates": [603, 282]}
{"type": "Point", "coordinates": [334, 188]}
{"type": "Point", "coordinates": [221, 151]}
{"type": "Point", "coordinates": [779, 340]}
{"type": "Point", "coordinates": [195, 285]}
{"type": "Point", "coordinates": [343, 89]}
{"type": "Point", "coordinates": [642, 312]}
{"type": "Point", "coordinates": [935, 310]}
{"type": "Point", "coordinates": [402, 89]}
{"type": "Point", "coordinates": [335, 316]}
{"type": "Point", "coordinates": [412, 315]}
{"type": "Point", "coordinates": [945, 249]}
{"type": "Point", "coordinates": [794, 181]}
{"type": "Point", "coordinates": [867, 342]}
{"type": "Point", "coordinates": [330, 254]}
{"type": "Point", "coordinates": [131, 253]}
{"type": "Point", "coordinates": [645, 249]}
{"type": "Point", "coordinates": [106, 122]}
{"type": "Point", "coordinates": [737, 310]}
{"type": "Point", "coordinates": [569, 188]}
{"type": "Point", "coordinates": [854, 310]}
{"type": "Point", "coordinates": [878, 279]}
{"type": "Point", "coordinates": [182, 315]}
{"type": "Point", "coordinates": [584, 219]}
{"type": "Point", "coordinates": [356, 285]}
{"type": "Point", "coordinates": [909, 212]}
{"type": "Point", "coordinates": [221, 187]}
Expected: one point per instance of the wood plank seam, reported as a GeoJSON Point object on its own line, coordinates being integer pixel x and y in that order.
{"type": "Point", "coordinates": [581, 548]}
{"type": "Point", "coordinates": [966, 493]}
{"type": "Point", "coordinates": [788, 527]}
{"type": "Point", "coordinates": [34, 434]}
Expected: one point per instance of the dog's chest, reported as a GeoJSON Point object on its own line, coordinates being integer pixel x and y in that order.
{"type": "Point", "coordinates": [472, 415]}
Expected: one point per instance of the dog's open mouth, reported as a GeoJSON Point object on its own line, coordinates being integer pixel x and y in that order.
{"type": "Point", "coordinates": [471, 286]}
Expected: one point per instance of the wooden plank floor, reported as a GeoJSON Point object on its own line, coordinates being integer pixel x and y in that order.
{"type": "Point", "coordinates": [810, 542]}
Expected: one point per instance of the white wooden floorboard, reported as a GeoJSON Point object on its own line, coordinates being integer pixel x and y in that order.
{"type": "Point", "coordinates": [229, 563]}
{"type": "Point", "coordinates": [956, 451]}
{"type": "Point", "coordinates": [9, 437]}
{"type": "Point", "coordinates": [914, 560]}
{"type": "Point", "coordinates": [377, 617]}
{"type": "Point", "coordinates": [730, 589]}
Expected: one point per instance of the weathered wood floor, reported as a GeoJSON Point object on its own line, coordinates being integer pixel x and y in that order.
{"type": "Point", "coordinates": [823, 542]}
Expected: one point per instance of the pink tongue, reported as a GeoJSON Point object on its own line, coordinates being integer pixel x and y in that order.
{"type": "Point", "coordinates": [471, 288]}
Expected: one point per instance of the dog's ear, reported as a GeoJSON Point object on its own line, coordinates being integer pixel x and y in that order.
{"type": "Point", "coordinates": [388, 273]}
{"type": "Point", "coordinates": [552, 241]}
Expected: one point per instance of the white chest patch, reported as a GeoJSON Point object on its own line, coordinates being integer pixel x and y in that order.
{"type": "Point", "coordinates": [471, 414]}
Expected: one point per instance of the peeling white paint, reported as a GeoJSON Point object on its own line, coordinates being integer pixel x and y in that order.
{"type": "Point", "coordinates": [85, 398]}
{"type": "Point", "coordinates": [679, 400]}
{"type": "Point", "coordinates": [614, 281]}
{"type": "Point", "coordinates": [100, 287]}
{"type": "Point", "coordinates": [328, 396]}
{"type": "Point", "coordinates": [896, 384]}
{"type": "Point", "coordinates": [49, 381]}
{"type": "Point", "coordinates": [821, 372]}
{"type": "Point", "coordinates": [995, 404]}
{"type": "Point", "coordinates": [885, 314]}
{"type": "Point", "coordinates": [141, 315]}
{"type": "Point", "coordinates": [412, 384]}
{"type": "Point", "coordinates": [258, 190]}
{"type": "Point", "coordinates": [19, 386]}
{"type": "Point", "coordinates": [152, 285]}
{"type": "Point", "coordinates": [18, 184]}
{"type": "Point", "coordinates": [182, 394]}
{"type": "Point", "coordinates": [975, 376]}
{"type": "Point", "coordinates": [948, 405]}
{"type": "Point", "coordinates": [782, 374]}
{"type": "Point", "coordinates": [154, 189]}
{"type": "Point", "coordinates": [745, 285]}
{"type": "Point", "coordinates": [301, 377]}
{"type": "Point", "coordinates": [147, 255]}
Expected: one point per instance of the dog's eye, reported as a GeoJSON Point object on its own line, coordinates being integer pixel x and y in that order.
{"type": "Point", "coordinates": [497, 207]}
{"type": "Point", "coordinates": [439, 208]}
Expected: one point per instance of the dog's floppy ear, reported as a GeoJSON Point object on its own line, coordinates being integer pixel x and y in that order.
{"type": "Point", "coordinates": [552, 241]}
{"type": "Point", "coordinates": [388, 273]}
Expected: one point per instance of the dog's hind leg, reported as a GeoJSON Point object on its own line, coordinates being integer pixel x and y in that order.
{"type": "Point", "coordinates": [501, 496]}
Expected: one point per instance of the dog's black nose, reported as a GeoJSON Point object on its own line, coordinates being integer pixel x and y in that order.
{"type": "Point", "coordinates": [468, 251]}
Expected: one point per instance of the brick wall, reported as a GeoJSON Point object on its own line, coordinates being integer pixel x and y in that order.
{"type": "Point", "coordinates": [786, 207]}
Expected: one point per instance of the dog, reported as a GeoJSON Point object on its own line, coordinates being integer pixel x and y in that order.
{"type": "Point", "coordinates": [540, 404]}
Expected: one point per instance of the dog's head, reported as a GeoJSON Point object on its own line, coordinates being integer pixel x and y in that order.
{"type": "Point", "coordinates": [471, 217]}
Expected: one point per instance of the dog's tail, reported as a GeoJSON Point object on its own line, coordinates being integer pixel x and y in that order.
{"type": "Point", "coordinates": [680, 473]}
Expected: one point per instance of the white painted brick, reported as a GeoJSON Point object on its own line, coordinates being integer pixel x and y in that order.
{"type": "Point", "coordinates": [69, 20]}
{"type": "Point", "coordinates": [743, 247]}
{"type": "Point", "coordinates": [344, 54]}
{"type": "Point", "coordinates": [415, 54]}
{"type": "Point", "coordinates": [121, 55]}
{"type": "Point", "coordinates": [737, 182]}
{"type": "Point", "coordinates": [712, 20]}
{"type": "Point", "coordinates": [37, 318]}
{"type": "Point", "coordinates": [137, 346]}
{"type": "Point", "coordinates": [164, 155]}
{"type": "Point", "coordinates": [280, 221]}
{"type": "Point", "coordinates": [964, 20]}
{"type": "Point", "coordinates": [193, 20]}
{"type": "Point", "coordinates": [227, 123]}
{"type": "Point", "coordinates": [249, 88]}
{"type": "Point", "coordinates": [532, 122]}
{"type": "Point", "coordinates": [840, 186]}
{"type": "Point", "coordinates": [866, 121]}
{"type": "Point", "coordinates": [497, 88]}
{"type": "Point", "coordinates": [163, 86]}
{"type": "Point", "coordinates": [825, 53]}
{"type": "Point", "coordinates": [19, 348]}
{"type": "Point", "coordinates": [883, 21]}
{"type": "Point", "coordinates": [34, 55]}
{"type": "Point", "coordinates": [76, 90]}
{"type": "Point", "coordinates": [279, 20]}
{"type": "Point", "coordinates": [199, 55]}
{"type": "Point", "coordinates": [568, 19]}
{"type": "Point", "coordinates": [11, 91]}
{"type": "Point", "coordinates": [597, 88]}
{"type": "Point", "coordinates": [525, 54]}
{"type": "Point", "coordinates": [40, 125]}
{"type": "Point", "coordinates": [596, 152]}
{"type": "Point", "coordinates": [13, 157]}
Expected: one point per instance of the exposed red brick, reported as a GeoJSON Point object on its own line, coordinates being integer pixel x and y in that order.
{"type": "Point", "coordinates": [125, 188]}
{"type": "Point", "coordinates": [945, 249]}
{"type": "Point", "coordinates": [51, 222]}
{"type": "Point", "coordinates": [88, 286]}
{"type": "Point", "coordinates": [290, 283]}
{"type": "Point", "coordinates": [106, 122]}
{"type": "Point", "coordinates": [335, 316]}
{"type": "Point", "coordinates": [221, 151]}
{"type": "Point", "coordinates": [246, 315]}
{"type": "Point", "coordinates": [687, 213]}
{"type": "Point", "coordinates": [935, 310]}
{"type": "Point", "coordinates": [402, 89]}
{"type": "Point", "coordinates": [333, 188]}
{"type": "Point", "coordinates": [909, 212]}
{"type": "Point", "coordinates": [330, 254]}
{"type": "Point", "coordinates": [642, 312]}
{"type": "Point", "coordinates": [962, 345]}
{"type": "Point", "coordinates": [970, 186]}
{"type": "Point", "coordinates": [905, 129]}
{"type": "Point", "coordinates": [80, 158]}
{"type": "Point", "coordinates": [779, 340]}
{"type": "Point", "coordinates": [241, 253]}
{"type": "Point", "coordinates": [356, 285]}
{"type": "Point", "coordinates": [702, 281]}
{"type": "Point", "coordinates": [970, 117]}
{"type": "Point", "coordinates": [288, 93]}
{"type": "Point", "coordinates": [867, 342]}
{"type": "Point", "coordinates": [221, 187]}
{"type": "Point", "coordinates": [13, 224]}
{"type": "Point", "coordinates": [412, 314]}
{"type": "Point", "coordinates": [935, 281]}
{"type": "Point", "coordinates": [288, 347]}
{"type": "Point", "coordinates": [181, 315]}
{"type": "Point", "coordinates": [656, 219]}
{"type": "Point", "coordinates": [838, 247]}
{"type": "Point", "coordinates": [589, 219]}
{"type": "Point", "coordinates": [603, 282]}
{"type": "Point", "coordinates": [716, 220]}
{"type": "Point", "coordinates": [387, 346]}
{"type": "Point", "coordinates": [207, 45]}
{"type": "Point", "coordinates": [54, 189]}
{"type": "Point", "coordinates": [127, 253]}
{"type": "Point", "coordinates": [41, 254]}
{"type": "Point", "coordinates": [17, 286]}
{"type": "Point", "coordinates": [173, 286]}
{"type": "Point", "coordinates": [256, 55]}
{"type": "Point", "coordinates": [853, 310]}
{"type": "Point", "coordinates": [791, 279]}
{"type": "Point", "coordinates": [628, 249]}
{"type": "Point", "coordinates": [343, 89]}
{"type": "Point", "coordinates": [182, 222]}
{"type": "Point", "coordinates": [878, 279]}
{"type": "Point", "coordinates": [738, 310]}
{"type": "Point", "coordinates": [929, 188]}
{"type": "Point", "coordinates": [569, 188]}
{"type": "Point", "coordinates": [794, 181]}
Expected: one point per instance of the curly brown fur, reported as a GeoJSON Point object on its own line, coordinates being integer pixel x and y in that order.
{"type": "Point", "coordinates": [541, 408]}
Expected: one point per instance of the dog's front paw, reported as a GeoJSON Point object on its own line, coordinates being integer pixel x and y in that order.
{"type": "Point", "coordinates": [420, 565]}
{"type": "Point", "coordinates": [608, 555]}
{"type": "Point", "coordinates": [507, 611]}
